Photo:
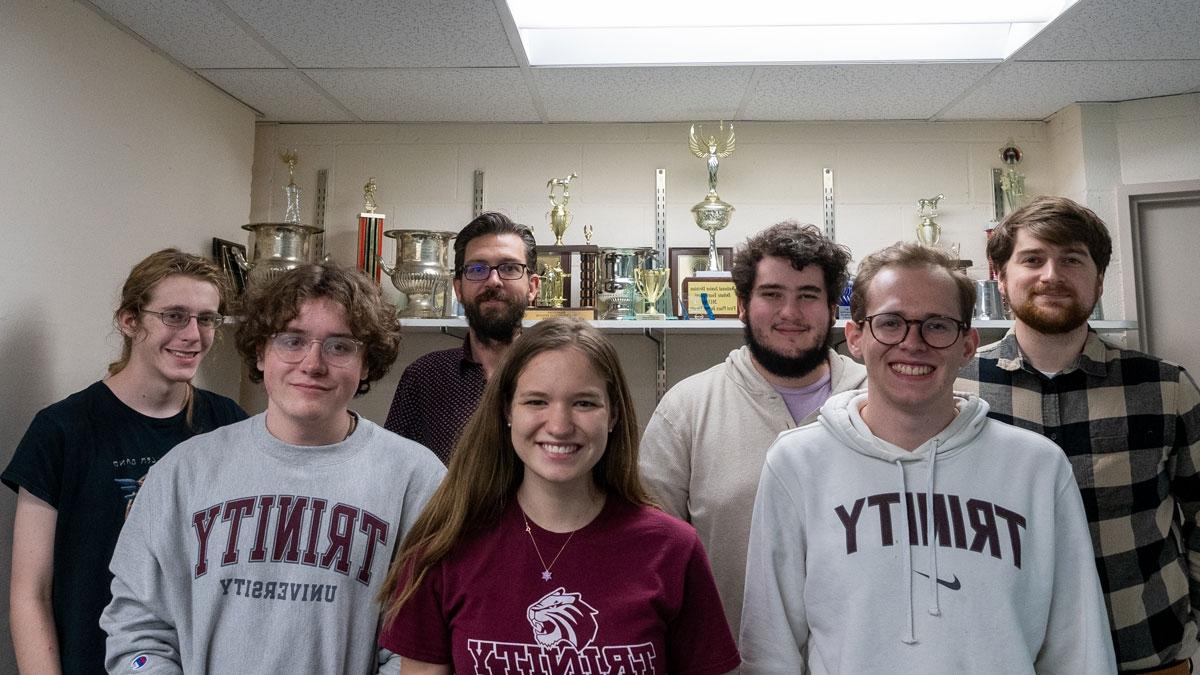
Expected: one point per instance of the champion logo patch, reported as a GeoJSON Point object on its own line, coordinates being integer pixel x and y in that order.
{"type": "Point", "coordinates": [140, 661]}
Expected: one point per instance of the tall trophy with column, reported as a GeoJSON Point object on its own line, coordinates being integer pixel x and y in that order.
{"type": "Point", "coordinates": [560, 218]}
{"type": "Point", "coordinates": [712, 214]}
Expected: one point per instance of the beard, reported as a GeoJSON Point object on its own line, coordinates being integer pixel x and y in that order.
{"type": "Point", "coordinates": [496, 326]}
{"type": "Point", "coordinates": [1053, 320]}
{"type": "Point", "coordinates": [782, 365]}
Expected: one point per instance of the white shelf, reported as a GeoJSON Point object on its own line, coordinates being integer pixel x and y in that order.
{"type": "Point", "coordinates": [713, 326]}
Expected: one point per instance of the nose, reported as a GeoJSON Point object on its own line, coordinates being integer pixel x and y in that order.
{"type": "Point", "coordinates": [914, 340]}
{"type": "Point", "coordinates": [1049, 270]}
{"type": "Point", "coordinates": [191, 329]}
{"type": "Point", "coordinates": [493, 278]}
{"type": "Point", "coordinates": [312, 357]}
{"type": "Point", "coordinates": [559, 421]}
{"type": "Point", "coordinates": [790, 308]}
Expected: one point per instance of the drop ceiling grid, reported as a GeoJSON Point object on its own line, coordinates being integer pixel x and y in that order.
{"type": "Point", "coordinates": [1120, 30]}
{"type": "Point", "coordinates": [431, 94]}
{"type": "Point", "coordinates": [197, 34]}
{"type": "Point", "coordinates": [280, 95]}
{"type": "Point", "coordinates": [662, 94]}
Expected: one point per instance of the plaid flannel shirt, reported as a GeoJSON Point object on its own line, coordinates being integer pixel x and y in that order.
{"type": "Point", "coordinates": [1130, 425]}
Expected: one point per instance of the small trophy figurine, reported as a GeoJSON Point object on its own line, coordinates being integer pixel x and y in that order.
{"type": "Point", "coordinates": [651, 284]}
{"type": "Point", "coordinates": [292, 214]}
{"type": "Point", "coordinates": [587, 234]}
{"type": "Point", "coordinates": [928, 232]}
{"type": "Point", "coordinates": [560, 218]}
{"type": "Point", "coordinates": [1012, 181]}
{"type": "Point", "coordinates": [369, 203]}
{"type": "Point", "coordinates": [712, 214]}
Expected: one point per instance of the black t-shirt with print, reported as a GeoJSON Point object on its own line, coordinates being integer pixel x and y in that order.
{"type": "Point", "coordinates": [86, 456]}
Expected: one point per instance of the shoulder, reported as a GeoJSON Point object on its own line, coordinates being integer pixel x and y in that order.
{"type": "Point", "coordinates": [651, 524]}
{"type": "Point", "coordinates": [1018, 442]}
{"type": "Point", "coordinates": [441, 358]}
{"type": "Point", "coordinates": [225, 408]}
{"type": "Point", "coordinates": [399, 453]}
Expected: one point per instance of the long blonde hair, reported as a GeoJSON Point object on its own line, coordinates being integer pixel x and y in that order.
{"type": "Point", "coordinates": [485, 470]}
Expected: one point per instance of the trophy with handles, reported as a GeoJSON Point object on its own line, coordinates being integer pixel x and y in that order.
{"type": "Point", "coordinates": [560, 218]}
{"type": "Point", "coordinates": [712, 214]}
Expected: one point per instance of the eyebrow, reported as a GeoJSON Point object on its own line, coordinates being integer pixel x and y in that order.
{"type": "Point", "coordinates": [307, 334]}
{"type": "Point", "coordinates": [782, 287]}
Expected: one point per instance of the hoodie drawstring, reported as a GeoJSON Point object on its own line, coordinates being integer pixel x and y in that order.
{"type": "Point", "coordinates": [936, 609]}
{"type": "Point", "coordinates": [911, 638]}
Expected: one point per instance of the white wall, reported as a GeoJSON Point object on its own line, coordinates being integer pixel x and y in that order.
{"type": "Point", "coordinates": [107, 152]}
{"type": "Point", "coordinates": [425, 172]}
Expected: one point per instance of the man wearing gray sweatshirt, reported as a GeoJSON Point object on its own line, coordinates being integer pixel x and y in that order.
{"type": "Point", "coordinates": [261, 547]}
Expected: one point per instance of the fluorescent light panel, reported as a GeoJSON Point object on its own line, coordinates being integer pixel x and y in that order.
{"type": "Point", "coordinates": [668, 32]}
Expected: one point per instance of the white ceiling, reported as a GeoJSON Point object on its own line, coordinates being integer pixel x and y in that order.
{"type": "Point", "coordinates": [461, 61]}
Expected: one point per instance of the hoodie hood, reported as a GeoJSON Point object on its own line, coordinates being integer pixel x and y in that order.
{"type": "Point", "coordinates": [842, 416]}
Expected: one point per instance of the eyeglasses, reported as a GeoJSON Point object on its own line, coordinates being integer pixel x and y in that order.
{"type": "Point", "coordinates": [337, 350]}
{"type": "Point", "coordinates": [509, 271]}
{"type": "Point", "coordinates": [177, 318]}
{"type": "Point", "coordinates": [938, 332]}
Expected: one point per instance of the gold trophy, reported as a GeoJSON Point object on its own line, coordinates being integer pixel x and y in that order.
{"type": "Point", "coordinates": [1012, 181]}
{"type": "Point", "coordinates": [560, 218]}
{"type": "Point", "coordinates": [712, 214]}
{"type": "Point", "coordinates": [651, 284]}
{"type": "Point", "coordinates": [292, 214]}
{"type": "Point", "coordinates": [929, 232]}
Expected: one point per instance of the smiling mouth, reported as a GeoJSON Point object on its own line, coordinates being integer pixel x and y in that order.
{"type": "Point", "coordinates": [557, 449]}
{"type": "Point", "coordinates": [182, 354]}
{"type": "Point", "coordinates": [907, 369]}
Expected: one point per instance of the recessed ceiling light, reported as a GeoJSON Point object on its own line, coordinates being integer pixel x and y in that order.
{"type": "Point", "coordinates": [671, 32]}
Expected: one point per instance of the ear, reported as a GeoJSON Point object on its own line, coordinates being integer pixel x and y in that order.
{"type": "Point", "coordinates": [854, 335]}
{"type": "Point", "coordinates": [971, 343]}
{"type": "Point", "coordinates": [127, 321]}
{"type": "Point", "coordinates": [457, 284]}
{"type": "Point", "coordinates": [741, 310]}
{"type": "Point", "coordinates": [535, 283]}
{"type": "Point", "coordinates": [259, 363]}
{"type": "Point", "coordinates": [612, 422]}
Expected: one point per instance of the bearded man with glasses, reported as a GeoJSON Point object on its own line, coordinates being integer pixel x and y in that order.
{"type": "Point", "coordinates": [267, 541]}
{"type": "Point", "coordinates": [906, 531]}
{"type": "Point", "coordinates": [495, 280]}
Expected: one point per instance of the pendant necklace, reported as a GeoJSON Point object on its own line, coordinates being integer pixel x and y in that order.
{"type": "Point", "coordinates": [546, 576]}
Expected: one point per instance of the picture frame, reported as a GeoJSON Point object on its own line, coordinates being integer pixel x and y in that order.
{"type": "Point", "coordinates": [685, 261]}
{"type": "Point", "coordinates": [222, 255]}
{"type": "Point", "coordinates": [720, 294]}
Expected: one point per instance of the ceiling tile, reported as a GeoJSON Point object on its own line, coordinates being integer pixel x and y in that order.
{"type": "Point", "coordinates": [858, 92]}
{"type": "Point", "coordinates": [280, 95]}
{"type": "Point", "coordinates": [197, 34]}
{"type": "Point", "coordinates": [1120, 30]}
{"type": "Point", "coordinates": [381, 33]}
{"type": "Point", "coordinates": [1034, 91]}
{"type": "Point", "coordinates": [431, 94]}
{"type": "Point", "coordinates": [671, 94]}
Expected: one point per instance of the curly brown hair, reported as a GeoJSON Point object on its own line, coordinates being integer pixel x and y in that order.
{"type": "Point", "coordinates": [271, 304]}
{"type": "Point", "coordinates": [801, 245]}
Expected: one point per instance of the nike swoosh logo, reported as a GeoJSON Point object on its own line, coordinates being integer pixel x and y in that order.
{"type": "Point", "coordinates": [952, 585]}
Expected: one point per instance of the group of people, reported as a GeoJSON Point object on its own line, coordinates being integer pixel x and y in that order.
{"type": "Point", "coordinates": [922, 505]}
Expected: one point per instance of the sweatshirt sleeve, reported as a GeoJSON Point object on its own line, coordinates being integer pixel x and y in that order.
{"type": "Point", "coordinates": [665, 459]}
{"type": "Point", "coordinates": [1077, 635]}
{"type": "Point", "coordinates": [774, 623]}
{"type": "Point", "coordinates": [141, 630]}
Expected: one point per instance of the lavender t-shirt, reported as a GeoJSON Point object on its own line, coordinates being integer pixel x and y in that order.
{"type": "Point", "coordinates": [803, 401]}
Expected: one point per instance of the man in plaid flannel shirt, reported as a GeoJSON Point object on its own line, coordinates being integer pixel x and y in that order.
{"type": "Point", "coordinates": [1129, 423]}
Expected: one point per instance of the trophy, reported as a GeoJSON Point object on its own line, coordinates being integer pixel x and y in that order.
{"type": "Point", "coordinates": [422, 271]}
{"type": "Point", "coordinates": [559, 217]}
{"type": "Point", "coordinates": [554, 285]}
{"type": "Point", "coordinates": [370, 233]}
{"type": "Point", "coordinates": [651, 284]}
{"type": "Point", "coordinates": [1012, 181]}
{"type": "Point", "coordinates": [292, 214]}
{"type": "Point", "coordinates": [929, 232]}
{"type": "Point", "coordinates": [587, 234]}
{"type": "Point", "coordinates": [712, 214]}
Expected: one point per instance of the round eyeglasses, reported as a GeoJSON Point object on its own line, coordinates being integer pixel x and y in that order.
{"type": "Point", "coordinates": [938, 332]}
{"type": "Point", "coordinates": [337, 350]}
{"type": "Point", "coordinates": [177, 318]}
{"type": "Point", "coordinates": [509, 271]}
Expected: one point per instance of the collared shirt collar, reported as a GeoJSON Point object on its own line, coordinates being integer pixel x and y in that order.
{"type": "Point", "coordinates": [1092, 359]}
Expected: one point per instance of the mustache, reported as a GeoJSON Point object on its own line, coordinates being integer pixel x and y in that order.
{"type": "Point", "coordinates": [1044, 288]}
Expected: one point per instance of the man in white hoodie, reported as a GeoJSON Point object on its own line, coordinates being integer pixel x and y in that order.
{"type": "Point", "coordinates": [703, 448]}
{"type": "Point", "coordinates": [905, 531]}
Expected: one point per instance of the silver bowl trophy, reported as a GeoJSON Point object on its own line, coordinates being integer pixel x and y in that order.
{"type": "Point", "coordinates": [278, 247]}
{"type": "Point", "coordinates": [712, 214]}
{"type": "Point", "coordinates": [616, 280]}
{"type": "Point", "coordinates": [422, 271]}
{"type": "Point", "coordinates": [560, 218]}
{"type": "Point", "coordinates": [929, 232]}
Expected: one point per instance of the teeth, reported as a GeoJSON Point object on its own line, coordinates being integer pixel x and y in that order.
{"type": "Point", "coordinates": [558, 449]}
{"type": "Point", "coordinates": [184, 355]}
{"type": "Point", "coordinates": [904, 369]}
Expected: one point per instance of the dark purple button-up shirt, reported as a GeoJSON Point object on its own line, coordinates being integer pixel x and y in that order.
{"type": "Point", "coordinates": [436, 396]}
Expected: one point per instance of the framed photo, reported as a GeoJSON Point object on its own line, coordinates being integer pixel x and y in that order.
{"type": "Point", "coordinates": [222, 253]}
{"type": "Point", "coordinates": [704, 294]}
{"type": "Point", "coordinates": [685, 262]}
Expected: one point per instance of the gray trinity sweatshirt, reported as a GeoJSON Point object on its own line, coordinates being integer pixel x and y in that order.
{"type": "Point", "coordinates": [245, 554]}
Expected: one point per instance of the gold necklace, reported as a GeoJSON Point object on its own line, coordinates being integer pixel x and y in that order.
{"type": "Point", "coordinates": [546, 576]}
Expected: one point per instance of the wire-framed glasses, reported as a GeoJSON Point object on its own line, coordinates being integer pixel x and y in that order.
{"type": "Point", "coordinates": [938, 332]}
{"type": "Point", "coordinates": [509, 271]}
{"type": "Point", "coordinates": [177, 318]}
{"type": "Point", "coordinates": [337, 350]}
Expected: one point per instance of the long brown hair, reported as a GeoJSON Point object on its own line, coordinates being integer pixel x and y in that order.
{"type": "Point", "coordinates": [139, 288]}
{"type": "Point", "coordinates": [485, 471]}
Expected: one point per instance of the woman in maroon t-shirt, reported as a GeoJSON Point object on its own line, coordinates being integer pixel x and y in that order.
{"type": "Point", "coordinates": [541, 551]}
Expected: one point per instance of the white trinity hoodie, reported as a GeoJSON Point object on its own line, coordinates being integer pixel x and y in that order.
{"type": "Point", "coordinates": [969, 554]}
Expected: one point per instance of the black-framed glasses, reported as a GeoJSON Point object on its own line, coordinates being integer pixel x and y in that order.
{"type": "Point", "coordinates": [177, 318]}
{"type": "Point", "coordinates": [509, 271]}
{"type": "Point", "coordinates": [337, 350]}
{"type": "Point", "coordinates": [938, 332]}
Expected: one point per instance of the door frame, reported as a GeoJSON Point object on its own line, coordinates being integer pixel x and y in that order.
{"type": "Point", "coordinates": [1131, 198]}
